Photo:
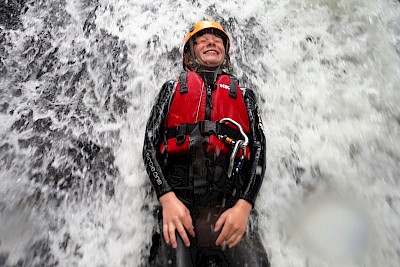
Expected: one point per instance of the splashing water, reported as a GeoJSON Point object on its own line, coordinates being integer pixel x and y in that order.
{"type": "Point", "coordinates": [77, 81]}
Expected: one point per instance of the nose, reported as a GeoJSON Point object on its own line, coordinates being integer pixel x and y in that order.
{"type": "Point", "coordinates": [211, 42]}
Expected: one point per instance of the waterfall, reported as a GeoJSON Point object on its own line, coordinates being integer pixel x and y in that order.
{"type": "Point", "coordinates": [78, 79]}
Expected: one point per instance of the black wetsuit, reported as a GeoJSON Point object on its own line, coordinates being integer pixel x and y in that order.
{"type": "Point", "coordinates": [216, 193]}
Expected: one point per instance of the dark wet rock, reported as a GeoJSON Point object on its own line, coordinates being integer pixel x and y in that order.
{"type": "Point", "coordinates": [42, 125]}
{"type": "Point", "coordinates": [40, 253]}
{"type": "Point", "coordinates": [393, 202]}
{"type": "Point", "coordinates": [89, 26]}
{"type": "Point", "coordinates": [120, 105]}
{"type": "Point", "coordinates": [4, 148]}
{"type": "Point", "coordinates": [23, 122]}
{"type": "Point", "coordinates": [4, 107]}
{"type": "Point", "coordinates": [29, 142]}
{"type": "Point", "coordinates": [55, 175]}
{"type": "Point", "coordinates": [298, 173]}
{"type": "Point", "coordinates": [48, 63]}
{"type": "Point", "coordinates": [61, 91]}
{"type": "Point", "coordinates": [17, 93]}
{"type": "Point", "coordinates": [89, 148]}
{"type": "Point", "coordinates": [174, 54]}
{"type": "Point", "coordinates": [312, 39]}
{"type": "Point", "coordinates": [316, 172]}
{"type": "Point", "coordinates": [3, 69]}
{"type": "Point", "coordinates": [354, 150]}
{"type": "Point", "coordinates": [3, 258]}
{"type": "Point", "coordinates": [291, 165]}
{"type": "Point", "coordinates": [9, 13]}
{"type": "Point", "coordinates": [64, 243]}
{"type": "Point", "coordinates": [153, 42]}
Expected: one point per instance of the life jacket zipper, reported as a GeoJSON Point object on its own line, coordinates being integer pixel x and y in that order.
{"type": "Point", "coordinates": [209, 101]}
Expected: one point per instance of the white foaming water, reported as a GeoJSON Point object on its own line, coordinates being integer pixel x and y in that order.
{"type": "Point", "coordinates": [327, 75]}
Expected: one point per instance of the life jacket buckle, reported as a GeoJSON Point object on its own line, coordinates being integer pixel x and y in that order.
{"type": "Point", "coordinates": [209, 127]}
{"type": "Point", "coordinates": [181, 134]}
{"type": "Point", "coordinates": [180, 139]}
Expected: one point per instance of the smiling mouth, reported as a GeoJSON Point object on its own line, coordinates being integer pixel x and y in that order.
{"type": "Point", "coordinates": [211, 52]}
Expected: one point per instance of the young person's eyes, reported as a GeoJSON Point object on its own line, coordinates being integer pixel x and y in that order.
{"type": "Point", "coordinates": [216, 39]}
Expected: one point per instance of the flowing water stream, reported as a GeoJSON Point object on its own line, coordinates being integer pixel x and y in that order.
{"type": "Point", "coordinates": [77, 82]}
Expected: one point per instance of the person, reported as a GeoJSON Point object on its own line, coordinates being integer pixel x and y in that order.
{"type": "Point", "coordinates": [204, 151]}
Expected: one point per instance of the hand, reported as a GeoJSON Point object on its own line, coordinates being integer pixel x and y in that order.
{"type": "Point", "coordinates": [234, 222]}
{"type": "Point", "coordinates": [175, 217]}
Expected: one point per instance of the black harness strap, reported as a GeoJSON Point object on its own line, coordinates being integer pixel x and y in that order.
{"type": "Point", "coordinates": [233, 86]}
{"type": "Point", "coordinates": [206, 127]}
{"type": "Point", "coordinates": [183, 79]}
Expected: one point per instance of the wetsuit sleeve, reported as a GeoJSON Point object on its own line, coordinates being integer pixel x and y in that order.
{"type": "Point", "coordinates": [256, 171]}
{"type": "Point", "coordinates": [153, 137]}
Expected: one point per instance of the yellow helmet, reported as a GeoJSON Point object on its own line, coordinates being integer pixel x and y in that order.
{"type": "Point", "coordinates": [207, 24]}
{"type": "Point", "coordinates": [204, 25]}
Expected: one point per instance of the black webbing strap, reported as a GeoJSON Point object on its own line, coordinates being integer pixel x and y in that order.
{"type": "Point", "coordinates": [233, 86]}
{"type": "Point", "coordinates": [183, 79]}
{"type": "Point", "coordinates": [206, 127]}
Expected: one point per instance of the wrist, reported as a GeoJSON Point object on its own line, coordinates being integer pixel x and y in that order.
{"type": "Point", "coordinates": [245, 205]}
{"type": "Point", "coordinates": [167, 197]}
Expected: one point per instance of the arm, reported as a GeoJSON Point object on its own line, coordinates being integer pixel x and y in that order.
{"type": "Point", "coordinates": [175, 214]}
{"type": "Point", "coordinates": [152, 157]}
{"type": "Point", "coordinates": [234, 220]}
{"type": "Point", "coordinates": [255, 174]}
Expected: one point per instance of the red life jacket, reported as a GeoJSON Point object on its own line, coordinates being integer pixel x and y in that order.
{"type": "Point", "coordinates": [195, 104]}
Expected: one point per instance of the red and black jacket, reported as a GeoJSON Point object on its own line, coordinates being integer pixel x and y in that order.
{"type": "Point", "coordinates": [204, 106]}
{"type": "Point", "coordinates": [190, 102]}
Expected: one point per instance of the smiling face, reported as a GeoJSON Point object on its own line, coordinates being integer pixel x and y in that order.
{"type": "Point", "coordinates": [209, 50]}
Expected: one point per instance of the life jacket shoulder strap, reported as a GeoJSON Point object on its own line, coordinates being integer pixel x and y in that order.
{"type": "Point", "coordinates": [233, 86]}
{"type": "Point", "coordinates": [183, 80]}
